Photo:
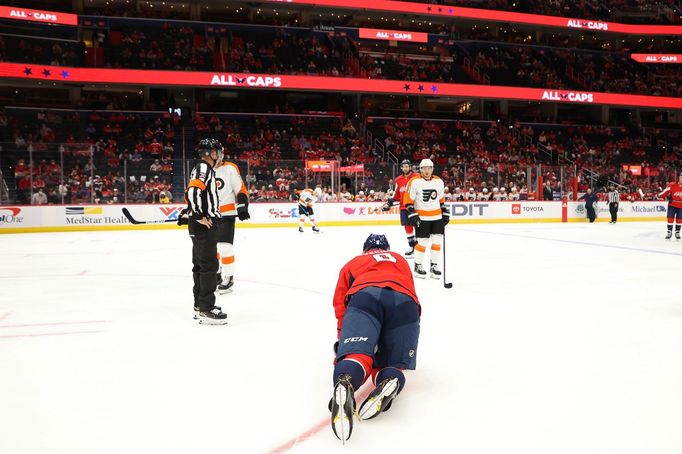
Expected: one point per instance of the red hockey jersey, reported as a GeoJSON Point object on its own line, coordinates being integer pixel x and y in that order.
{"type": "Point", "coordinates": [401, 186]}
{"type": "Point", "coordinates": [674, 191]}
{"type": "Point", "coordinates": [375, 268]}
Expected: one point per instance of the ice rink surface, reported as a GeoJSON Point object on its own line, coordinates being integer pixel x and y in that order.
{"type": "Point", "coordinates": [556, 338]}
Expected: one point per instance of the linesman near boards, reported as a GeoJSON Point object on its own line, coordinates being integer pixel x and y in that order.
{"type": "Point", "coordinates": [202, 216]}
{"type": "Point", "coordinates": [614, 200]}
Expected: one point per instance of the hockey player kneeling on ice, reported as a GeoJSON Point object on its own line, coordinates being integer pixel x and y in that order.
{"type": "Point", "coordinates": [426, 210]}
{"type": "Point", "coordinates": [377, 314]}
{"type": "Point", "coordinates": [306, 200]}
{"type": "Point", "coordinates": [234, 202]}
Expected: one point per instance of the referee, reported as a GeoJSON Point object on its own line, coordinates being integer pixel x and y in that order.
{"type": "Point", "coordinates": [614, 199]}
{"type": "Point", "coordinates": [203, 212]}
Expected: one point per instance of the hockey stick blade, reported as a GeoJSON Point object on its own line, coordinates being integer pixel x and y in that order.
{"type": "Point", "coordinates": [134, 221]}
{"type": "Point", "coordinates": [447, 284]}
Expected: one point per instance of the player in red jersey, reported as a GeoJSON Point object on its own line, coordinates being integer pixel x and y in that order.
{"type": "Point", "coordinates": [398, 193]}
{"type": "Point", "coordinates": [673, 192]}
{"type": "Point", "coordinates": [378, 330]}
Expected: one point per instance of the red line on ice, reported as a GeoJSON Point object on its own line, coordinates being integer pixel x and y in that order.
{"type": "Point", "coordinates": [55, 323]}
{"type": "Point", "coordinates": [325, 423]}
{"type": "Point", "coordinates": [49, 334]}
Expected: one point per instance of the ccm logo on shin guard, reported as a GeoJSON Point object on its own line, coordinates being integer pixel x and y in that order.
{"type": "Point", "coordinates": [354, 339]}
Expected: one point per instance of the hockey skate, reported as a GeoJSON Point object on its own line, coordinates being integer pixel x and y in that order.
{"type": "Point", "coordinates": [410, 253]}
{"type": "Point", "coordinates": [380, 399]}
{"type": "Point", "coordinates": [435, 272]}
{"type": "Point", "coordinates": [669, 235]}
{"type": "Point", "coordinates": [197, 311]}
{"type": "Point", "coordinates": [213, 317]}
{"type": "Point", "coordinates": [300, 230]}
{"type": "Point", "coordinates": [677, 235]}
{"type": "Point", "coordinates": [316, 230]}
{"type": "Point", "coordinates": [419, 271]}
{"type": "Point", "coordinates": [226, 287]}
{"type": "Point", "coordinates": [343, 408]}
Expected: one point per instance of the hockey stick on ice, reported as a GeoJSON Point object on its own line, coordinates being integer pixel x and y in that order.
{"type": "Point", "coordinates": [446, 284]}
{"type": "Point", "coordinates": [136, 222]}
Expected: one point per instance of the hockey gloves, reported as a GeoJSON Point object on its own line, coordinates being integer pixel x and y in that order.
{"type": "Point", "coordinates": [183, 217]}
{"type": "Point", "coordinates": [412, 216]}
{"type": "Point", "coordinates": [243, 207]}
{"type": "Point", "coordinates": [446, 214]}
{"type": "Point", "coordinates": [387, 206]}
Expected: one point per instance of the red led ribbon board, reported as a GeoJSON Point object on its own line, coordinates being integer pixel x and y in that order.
{"type": "Point", "coordinates": [34, 15]}
{"type": "Point", "coordinates": [394, 35]}
{"type": "Point", "coordinates": [657, 58]}
{"type": "Point", "coordinates": [48, 73]}
{"type": "Point", "coordinates": [424, 9]}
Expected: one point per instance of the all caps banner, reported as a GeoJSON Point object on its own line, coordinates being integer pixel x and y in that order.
{"type": "Point", "coordinates": [331, 84]}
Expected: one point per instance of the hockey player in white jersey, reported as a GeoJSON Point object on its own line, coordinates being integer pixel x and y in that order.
{"type": "Point", "coordinates": [426, 209]}
{"type": "Point", "coordinates": [234, 202]}
{"type": "Point", "coordinates": [306, 200]}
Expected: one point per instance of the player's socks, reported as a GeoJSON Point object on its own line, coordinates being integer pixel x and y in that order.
{"type": "Point", "coordinates": [390, 382]}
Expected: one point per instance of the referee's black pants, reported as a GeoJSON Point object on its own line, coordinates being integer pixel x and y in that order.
{"type": "Point", "coordinates": [613, 209]}
{"type": "Point", "coordinates": [205, 264]}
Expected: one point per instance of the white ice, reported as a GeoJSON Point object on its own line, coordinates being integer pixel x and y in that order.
{"type": "Point", "coordinates": [554, 339]}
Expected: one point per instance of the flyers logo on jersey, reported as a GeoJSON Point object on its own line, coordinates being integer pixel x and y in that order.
{"type": "Point", "coordinates": [429, 194]}
{"type": "Point", "coordinates": [219, 183]}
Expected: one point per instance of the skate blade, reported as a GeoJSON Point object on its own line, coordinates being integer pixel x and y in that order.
{"type": "Point", "coordinates": [341, 422]}
{"type": "Point", "coordinates": [372, 406]}
{"type": "Point", "coordinates": [211, 321]}
{"type": "Point", "coordinates": [420, 276]}
{"type": "Point", "coordinates": [225, 292]}
{"type": "Point", "coordinates": [435, 276]}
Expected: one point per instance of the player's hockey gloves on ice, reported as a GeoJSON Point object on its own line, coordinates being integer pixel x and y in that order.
{"type": "Point", "coordinates": [412, 216]}
{"type": "Point", "coordinates": [387, 206]}
{"type": "Point", "coordinates": [183, 217]}
{"type": "Point", "coordinates": [242, 207]}
{"type": "Point", "coordinates": [446, 214]}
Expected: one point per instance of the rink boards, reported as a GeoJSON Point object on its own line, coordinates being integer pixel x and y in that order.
{"type": "Point", "coordinates": [52, 218]}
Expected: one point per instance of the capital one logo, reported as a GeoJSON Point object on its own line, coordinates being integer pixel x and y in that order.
{"type": "Point", "coordinates": [10, 216]}
{"type": "Point", "coordinates": [516, 208]}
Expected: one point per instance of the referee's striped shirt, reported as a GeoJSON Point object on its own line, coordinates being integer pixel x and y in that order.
{"type": "Point", "coordinates": [614, 196]}
{"type": "Point", "coordinates": [202, 192]}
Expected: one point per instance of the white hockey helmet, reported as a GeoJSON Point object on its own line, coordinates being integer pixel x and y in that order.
{"type": "Point", "coordinates": [361, 192]}
{"type": "Point", "coordinates": [426, 163]}
{"type": "Point", "coordinates": [458, 189]}
{"type": "Point", "coordinates": [503, 189]}
{"type": "Point", "coordinates": [471, 189]}
{"type": "Point", "coordinates": [485, 189]}
{"type": "Point", "coordinates": [496, 190]}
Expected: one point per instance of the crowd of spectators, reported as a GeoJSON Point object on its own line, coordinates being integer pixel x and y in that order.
{"type": "Point", "coordinates": [90, 157]}
{"type": "Point", "coordinates": [112, 157]}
